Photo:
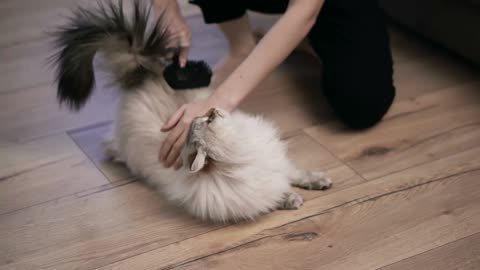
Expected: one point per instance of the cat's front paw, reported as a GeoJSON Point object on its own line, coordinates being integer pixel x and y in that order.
{"type": "Point", "coordinates": [312, 181]}
{"type": "Point", "coordinates": [319, 181]}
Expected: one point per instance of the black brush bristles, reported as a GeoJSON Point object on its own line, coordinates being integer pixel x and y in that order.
{"type": "Point", "coordinates": [195, 74]}
{"type": "Point", "coordinates": [108, 29]}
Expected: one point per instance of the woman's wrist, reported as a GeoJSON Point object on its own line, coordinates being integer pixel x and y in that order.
{"type": "Point", "coordinates": [223, 100]}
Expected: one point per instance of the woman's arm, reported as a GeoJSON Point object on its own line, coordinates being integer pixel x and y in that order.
{"type": "Point", "coordinates": [275, 46]}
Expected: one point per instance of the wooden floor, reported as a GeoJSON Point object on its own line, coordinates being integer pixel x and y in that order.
{"type": "Point", "coordinates": [406, 193]}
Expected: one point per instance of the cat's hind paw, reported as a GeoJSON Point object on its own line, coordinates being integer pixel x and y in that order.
{"type": "Point", "coordinates": [291, 201]}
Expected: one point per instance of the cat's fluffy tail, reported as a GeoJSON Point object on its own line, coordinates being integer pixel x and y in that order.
{"type": "Point", "coordinates": [134, 45]}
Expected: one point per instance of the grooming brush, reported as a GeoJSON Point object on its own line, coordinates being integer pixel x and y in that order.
{"type": "Point", "coordinates": [195, 74]}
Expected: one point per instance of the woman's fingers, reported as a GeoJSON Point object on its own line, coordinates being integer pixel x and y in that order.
{"type": "Point", "coordinates": [184, 43]}
{"type": "Point", "coordinates": [170, 142]}
{"type": "Point", "coordinates": [178, 30]}
{"type": "Point", "coordinates": [173, 121]}
{"type": "Point", "coordinates": [183, 56]}
{"type": "Point", "coordinates": [174, 153]}
{"type": "Point", "coordinates": [179, 163]}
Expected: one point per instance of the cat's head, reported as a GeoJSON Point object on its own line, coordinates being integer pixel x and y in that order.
{"type": "Point", "coordinates": [209, 140]}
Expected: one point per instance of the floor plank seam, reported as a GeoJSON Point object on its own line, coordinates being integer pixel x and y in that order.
{"type": "Point", "coordinates": [73, 194]}
{"type": "Point", "coordinates": [16, 90]}
{"type": "Point", "coordinates": [441, 134]}
{"type": "Point", "coordinates": [88, 157]}
{"type": "Point", "coordinates": [103, 188]}
{"type": "Point", "coordinates": [29, 139]}
{"type": "Point", "coordinates": [174, 243]}
{"type": "Point", "coordinates": [4, 178]}
{"type": "Point", "coordinates": [14, 43]}
{"type": "Point", "coordinates": [37, 204]}
{"type": "Point", "coordinates": [88, 127]}
{"type": "Point", "coordinates": [400, 115]}
{"type": "Point", "coordinates": [290, 134]}
{"type": "Point", "coordinates": [430, 250]}
{"type": "Point", "coordinates": [423, 163]}
{"type": "Point", "coordinates": [180, 264]}
{"type": "Point", "coordinates": [336, 157]}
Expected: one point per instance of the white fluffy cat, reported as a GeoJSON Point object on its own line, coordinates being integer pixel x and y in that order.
{"type": "Point", "coordinates": [235, 165]}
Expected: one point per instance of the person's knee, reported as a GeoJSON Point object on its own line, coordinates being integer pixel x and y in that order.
{"type": "Point", "coordinates": [363, 111]}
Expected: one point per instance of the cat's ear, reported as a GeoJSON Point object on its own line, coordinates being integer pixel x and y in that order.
{"type": "Point", "coordinates": [199, 161]}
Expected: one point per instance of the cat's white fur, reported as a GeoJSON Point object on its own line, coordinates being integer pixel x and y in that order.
{"type": "Point", "coordinates": [236, 166]}
{"type": "Point", "coordinates": [243, 172]}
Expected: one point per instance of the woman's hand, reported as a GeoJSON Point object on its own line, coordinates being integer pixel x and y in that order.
{"type": "Point", "coordinates": [178, 125]}
{"type": "Point", "coordinates": [177, 28]}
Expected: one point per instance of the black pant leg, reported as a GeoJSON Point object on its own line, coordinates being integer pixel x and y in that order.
{"type": "Point", "coordinates": [351, 39]}
{"type": "Point", "coordinates": [218, 11]}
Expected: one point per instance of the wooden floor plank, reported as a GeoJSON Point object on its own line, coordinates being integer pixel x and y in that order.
{"type": "Point", "coordinates": [34, 113]}
{"type": "Point", "coordinates": [373, 233]}
{"type": "Point", "coordinates": [26, 66]}
{"type": "Point", "coordinates": [91, 141]}
{"type": "Point", "coordinates": [421, 67]}
{"type": "Point", "coordinates": [29, 21]}
{"type": "Point", "coordinates": [427, 75]}
{"type": "Point", "coordinates": [416, 131]}
{"type": "Point", "coordinates": [463, 254]}
{"type": "Point", "coordinates": [183, 252]}
{"type": "Point", "coordinates": [19, 157]}
{"type": "Point", "coordinates": [43, 170]}
{"type": "Point", "coordinates": [307, 154]}
{"type": "Point", "coordinates": [89, 230]}
{"type": "Point", "coordinates": [24, 74]}
{"type": "Point", "coordinates": [125, 221]}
